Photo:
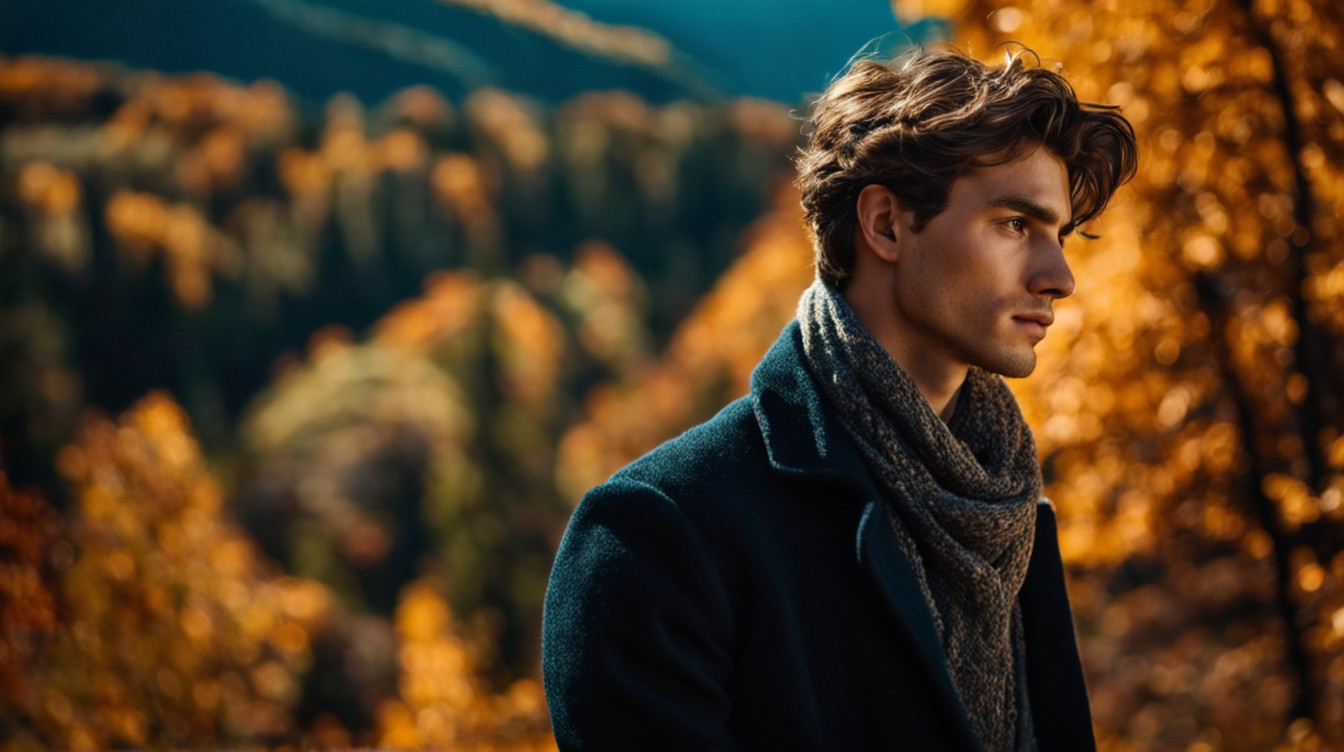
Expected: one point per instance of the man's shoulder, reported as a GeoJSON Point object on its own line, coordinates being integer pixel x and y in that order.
{"type": "Point", "coordinates": [711, 489]}
{"type": "Point", "coordinates": [716, 456]}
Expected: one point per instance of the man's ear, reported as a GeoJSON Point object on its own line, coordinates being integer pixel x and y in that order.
{"type": "Point", "coordinates": [879, 213]}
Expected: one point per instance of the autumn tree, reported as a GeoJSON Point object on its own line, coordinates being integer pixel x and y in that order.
{"type": "Point", "coordinates": [429, 447]}
{"type": "Point", "coordinates": [444, 700]}
{"type": "Point", "coordinates": [708, 362]}
{"type": "Point", "coordinates": [31, 551]}
{"type": "Point", "coordinates": [162, 624]}
{"type": "Point", "coordinates": [1189, 407]}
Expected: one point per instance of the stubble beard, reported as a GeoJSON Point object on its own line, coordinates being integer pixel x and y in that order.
{"type": "Point", "coordinates": [1013, 365]}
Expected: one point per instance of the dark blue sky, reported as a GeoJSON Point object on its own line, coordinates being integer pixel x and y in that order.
{"type": "Point", "coordinates": [778, 49]}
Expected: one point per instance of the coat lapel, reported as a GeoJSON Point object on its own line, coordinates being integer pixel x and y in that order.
{"type": "Point", "coordinates": [804, 439]}
{"type": "Point", "coordinates": [879, 554]}
{"type": "Point", "coordinates": [1054, 669]}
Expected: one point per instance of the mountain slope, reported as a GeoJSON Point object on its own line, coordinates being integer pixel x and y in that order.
{"type": "Point", "coordinates": [372, 49]}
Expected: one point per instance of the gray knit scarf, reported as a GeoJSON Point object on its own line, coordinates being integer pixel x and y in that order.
{"type": "Point", "coordinates": [961, 498]}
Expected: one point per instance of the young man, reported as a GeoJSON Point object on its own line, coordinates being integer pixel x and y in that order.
{"type": "Point", "coordinates": [856, 555]}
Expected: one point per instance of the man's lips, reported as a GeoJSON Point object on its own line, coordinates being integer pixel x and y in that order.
{"type": "Point", "coordinates": [1035, 323]}
{"type": "Point", "coordinates": [1044, 319]}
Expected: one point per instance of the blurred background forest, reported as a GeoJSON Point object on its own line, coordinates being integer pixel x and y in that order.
{"type": "Point", "coordinates": [305, 361]}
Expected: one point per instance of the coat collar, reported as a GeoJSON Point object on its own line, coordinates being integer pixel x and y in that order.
{"type": "Point", "coordinates": [804, 439]}
{"type": "Point", "coordinates": [802, 436]}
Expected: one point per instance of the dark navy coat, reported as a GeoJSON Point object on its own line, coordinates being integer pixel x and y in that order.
{"type": "Point", "coordinates": [739, 588]}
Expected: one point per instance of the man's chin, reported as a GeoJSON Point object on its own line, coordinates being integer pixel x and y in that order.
{"type": "Point", "coordinates": [1013, 365]}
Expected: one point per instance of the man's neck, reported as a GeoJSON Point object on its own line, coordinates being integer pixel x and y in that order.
{"type": "Point", "coordinates": [936, 378]}
{"type": "Point", "coordinates": [941, 389]}
{"type": "Point", "coordinates": [949, 409]}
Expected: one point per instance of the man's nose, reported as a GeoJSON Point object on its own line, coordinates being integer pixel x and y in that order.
{"type": "Point", "coordinates": [1052, 276]}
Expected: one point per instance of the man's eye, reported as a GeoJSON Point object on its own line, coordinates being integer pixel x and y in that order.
{"type": "Point", "coordinates": [1017, 224]}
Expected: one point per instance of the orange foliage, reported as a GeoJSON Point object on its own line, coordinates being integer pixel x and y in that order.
{"type": "Point", "coordinates": [437, 429]}
{"type": "Point", "coordinates": [421, 107]}
{"type": "Point", "coordinates": [47, 88]}
{"type": "Point", "coordinates": [214, 164]}
{"type": "Point", "coordinates": [330, 432]}
{"type": "Point", "coordinates": [529, 344]}
{"type": "Point", "coordinates": [609, 297]}
{"type": "Point", "coordinates": [202, 102]}
{"type": "Point", "coordinates": [463, 189]}
{"type": "Point", "coordinates": [709, 361]}
{"type": "Point", "coordinates": [451, 303]}
{"type": "Point", "coordinates": [172, 629]}
{"type": "Point", "coordinates": [512, 124]}
{"type": "Point", "coordinates": [146, 226]}
{"type": "Point", "coordinates": [444, 703]}
{"type": "Point", "coordinates": [30, 532]}
{"type": "Point", "coordinates": [55, 197]}
{"type": "Point", "coordinates": [527, 341]}
{"type": "Point", "coordinates": [1188, 396]}
{"type": "Point", "coordinates": [736, 321]}
{"type": "Point", "coordinates": [48, 189]}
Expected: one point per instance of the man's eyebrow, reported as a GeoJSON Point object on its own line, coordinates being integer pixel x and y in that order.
{"type": "Point", "coordinates": [1037, 211]}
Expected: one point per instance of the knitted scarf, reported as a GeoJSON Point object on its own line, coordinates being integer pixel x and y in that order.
{"type": "Point", "coordinates": [961, 498]}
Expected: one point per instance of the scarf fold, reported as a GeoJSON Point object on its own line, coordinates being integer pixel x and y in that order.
{"type": "Point", "coordinates": [961, 498]}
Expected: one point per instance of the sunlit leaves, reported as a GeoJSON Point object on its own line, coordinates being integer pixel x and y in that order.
{"type": "Point", "coordinates": [709, 361]}
{"type": "Point", "coordinates": [192, 250]}
{"type": "Point", "coordinates": [30, 549]}
{"type": "Point", "coordinates": [430, 444]}
{"type": "Point", "coordinates": [607, 296]}
{"type": "Point", "coordinates": [171, 628]}
{"type": "Point", "coordinates": [335, 439]}
{"type": "Point", "coordinates": [1184, 407]}
{"type": "Point", "coordinates": [444, 701]}
{"type": "Point", "coordinates": [55, 198]}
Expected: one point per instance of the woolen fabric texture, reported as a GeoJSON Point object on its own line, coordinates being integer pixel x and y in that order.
{"type": "Point", "coordinates": [961, 498]}
{"type": "Point", "coordinates": [739, 588]}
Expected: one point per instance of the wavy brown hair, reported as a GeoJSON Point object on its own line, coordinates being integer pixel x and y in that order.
{"type": "Point", "coordinates": [917, 123]}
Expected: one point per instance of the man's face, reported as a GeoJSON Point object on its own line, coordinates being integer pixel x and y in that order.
{"type": "Point", "coordinates": [975, 286]}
